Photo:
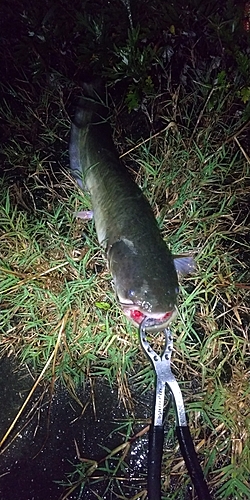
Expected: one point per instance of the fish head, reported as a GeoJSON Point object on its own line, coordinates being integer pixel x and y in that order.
{"type": "Point", "coordinates": [146, 289]}
{"type": "Point", "coordinates": [142, 303]}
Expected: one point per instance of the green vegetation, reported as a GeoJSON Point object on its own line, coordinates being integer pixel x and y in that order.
{"type": "Point", "coordinates": [190, 86]}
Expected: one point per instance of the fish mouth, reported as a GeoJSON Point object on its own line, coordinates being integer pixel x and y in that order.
{"type": "Point", "coordinates": [155, 322]}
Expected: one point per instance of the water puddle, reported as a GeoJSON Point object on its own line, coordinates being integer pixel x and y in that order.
{"type": "Point", "coordinates": [57, 433]}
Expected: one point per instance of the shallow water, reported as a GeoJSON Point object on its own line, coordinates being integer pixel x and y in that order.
{"type": "Point", "coordinates": [45, 450]}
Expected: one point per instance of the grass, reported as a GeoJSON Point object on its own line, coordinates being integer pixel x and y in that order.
{"type": "Point", "coordinates": [59, 315]}
{"type": "Point", "coordinates": [49, 273]}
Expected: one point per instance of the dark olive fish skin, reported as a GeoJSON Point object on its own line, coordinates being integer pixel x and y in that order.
{"type": "Point", "coordinates": [141, 265]}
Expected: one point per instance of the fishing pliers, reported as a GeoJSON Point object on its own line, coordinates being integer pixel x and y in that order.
{"type": "Point", "coordinates": [164, 376]}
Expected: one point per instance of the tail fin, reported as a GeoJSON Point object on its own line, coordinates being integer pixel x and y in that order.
{"type": "Point", "coordinates": [91, 110]}
{"type": "Point", "coordinates": [91, 107]}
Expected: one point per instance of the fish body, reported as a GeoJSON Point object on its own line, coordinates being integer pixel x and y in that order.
{"type": "Point", "coordinates": [141, 265]}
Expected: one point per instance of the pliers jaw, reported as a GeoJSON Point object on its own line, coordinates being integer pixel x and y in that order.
{"type": "Point", "coordinates": [164, 376]}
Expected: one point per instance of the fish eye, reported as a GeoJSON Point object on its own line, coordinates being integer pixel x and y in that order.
{"type": "Point", "coordinates": [131, 293]}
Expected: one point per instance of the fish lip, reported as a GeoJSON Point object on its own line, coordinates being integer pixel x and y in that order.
{"type": "Point", "coordinates": [156, 322]}
{"type": "Point", "coordinates": [158, 326]}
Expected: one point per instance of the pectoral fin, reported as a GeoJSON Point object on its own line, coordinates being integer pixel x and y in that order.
{"type": "Point", "coordinates": [84, 214]}
{"type": "Point", "coordinates": [184, 264]}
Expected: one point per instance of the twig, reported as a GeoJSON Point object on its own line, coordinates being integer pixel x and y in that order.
{"type": "Point", "coordinates": [170, 124]}
{"type": "Point", "coordinates": [30, 278]}
{"type": "Point", "coordinates": [242, 150]}
{"type": "Point", "coordinates": [201, 113]}
{"type": "Point", "coordinates": [230, 139]}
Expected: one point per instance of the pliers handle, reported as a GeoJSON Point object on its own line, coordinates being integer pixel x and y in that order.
{"type": "Point", "coordinates": [164, 376]}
